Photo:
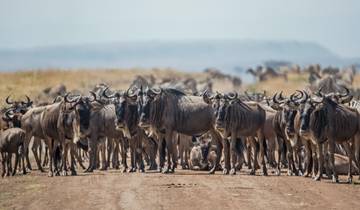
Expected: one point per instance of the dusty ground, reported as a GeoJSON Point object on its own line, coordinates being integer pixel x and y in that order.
{"type": "Point", "coordinates": [182, 190]}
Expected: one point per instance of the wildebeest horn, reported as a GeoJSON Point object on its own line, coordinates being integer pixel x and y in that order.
{"type": "Point", "coordinates": [294, 98]}
{"type": "Point", "coordinates": [128, 93]}
{"type": "Point", "coordinates": [28, 100]}
{"type": "Point", "coordinates": [304, 99]}
{"type": "Point", "coordinates": [235, 95]}
{"type": "Point", "coordinates": [93, 95]}
{"type": "Point", "coordinates": [347, 92]}
{"type": "Point", "coordinates": [108, 96]}
{"type": "Point", "coordinates": [247, 95]}
{"type": "Point", "coordinates": [156, 92]}
{"type": "Point", "coordinates": [7, 100]}
{"type": "Point", "coordinates": [318, 93]}
{"type": "Point", "coordinates": [276, 98]}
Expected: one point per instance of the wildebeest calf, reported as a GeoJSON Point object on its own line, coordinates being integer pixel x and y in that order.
{"type": "Point", "coordinates": [11, 142]}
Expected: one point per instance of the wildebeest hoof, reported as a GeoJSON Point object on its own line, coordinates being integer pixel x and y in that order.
{"type": "Point", "coordinates": [232, 171]}
{"type": "Point", "coordinates": [141, 170]}
{"type": "Point", "coordinates": [50, 174]}
{"type": "Point", "coordinates": [349, 180]}
{"type": "Point", "coordinates": [225, 171]}
{"type": "Point", "coordinates": [212, 171]}
{"type": "Point", "coordinates": [265, 173]}
{"type": "Point", "coordinates": [124, 170]}
{"type": "Point", "coordinates": [335, 179]}
{"type": "Point", "coordinates": [42, 170]}
{"type": "Point", "coordinates": [73, 173]}
{"type": "Point", "coordinates": [64, 173]}
{"type": "Point", "coordinates": [132, 170]}
{"type": "Point", "coordinates": [166, 171]}
{"type": "Point", "coordinates": [289, 173]}
{"type": "Point", "coordinates": [103, 169]}
{"type": "Point", "coordinates": [306, 174]}
{"type": "Point", "coordinates": [317, 178]}
{"type": "Point", "coordinates": [252, 172]}
{"type": "Point", "coordinates": [278, 173]}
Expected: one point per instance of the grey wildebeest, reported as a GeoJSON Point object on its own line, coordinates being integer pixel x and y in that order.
{"type": "Point", "coordinates": [168, 111]}
{"type": "Point", "coordinates": [127, 119]}
{"type": "Point", "coordinates": [329, 120]}
{"type": "Point", "coordinates": [97, 122]}
{"type": "Point", "coordinates": [11, 142]}
{"type": "Point", "coordinates": [238, 119]}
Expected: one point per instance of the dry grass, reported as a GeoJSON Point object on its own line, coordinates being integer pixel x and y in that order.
{"type": "Point", "coordinates": [33, 82]}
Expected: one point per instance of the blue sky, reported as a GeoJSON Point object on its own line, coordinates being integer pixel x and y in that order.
{"type": "Point", "coordinates": [30, 23]}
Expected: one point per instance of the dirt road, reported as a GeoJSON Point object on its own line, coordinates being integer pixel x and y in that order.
{"type": "Point", "coordinates": [182, 190]}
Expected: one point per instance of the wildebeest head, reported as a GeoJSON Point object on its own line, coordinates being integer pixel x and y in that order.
{"type": "Point", "coordinates": [83, 106]}
{"type": "Point", "coordinates": [224, 109]}
{"type": "Point", "coordinates": [288, 108]}
{"type": "Point", "coordinates": [12, 118]}
{"type": "Point", "coordinates": [145, 102]}
{"type": "Point", "coordinates": [19, 106]}
{"type": "Point", "coordinates": [124, 105]}
{"type": "Point", "coordinates": [213, 100]}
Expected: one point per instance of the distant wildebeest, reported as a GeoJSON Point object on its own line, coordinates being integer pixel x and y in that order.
{"type": "Point", "coordinates": [12, 142]}
{"type": "Point", "coordinates": [167, 111]}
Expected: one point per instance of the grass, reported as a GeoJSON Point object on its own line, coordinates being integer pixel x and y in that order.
{"type": "Point", "coordinates": [32, 82]}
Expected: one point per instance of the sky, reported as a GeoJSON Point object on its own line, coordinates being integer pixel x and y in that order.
{"type": "Point", "coordinates": [33, 23]}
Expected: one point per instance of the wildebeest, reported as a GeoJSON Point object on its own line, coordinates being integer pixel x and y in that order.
{"type": "Point", "coordinates": [329, 120]}
{"type": "Point", "coordinates": [168, 111]}
{"type": "Point", "coordinates": [12, 142]}
{"type": "Point", "coordinates": [97, 122]}
{"type": "Point", "coordinates": [238, 119]}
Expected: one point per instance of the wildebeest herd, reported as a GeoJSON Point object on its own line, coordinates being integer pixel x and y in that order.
{"type": "Point", "coordinates": [303, 132]}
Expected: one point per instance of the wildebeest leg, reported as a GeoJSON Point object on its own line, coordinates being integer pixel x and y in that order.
{"type": "Point", "coordinates": [233, 153]}
{"type": "Point", "coordinates": [215, 136]}
{"type": "Point", "coordinates": [115, 155]}
{"type": "Point", "coordinates": [9, 164]}
{"type": "Point", "coordinates": [132, 155]}
{"type": "Point", "coordinates": [16, 163]}
{"type": "Point", "coordinates": [170, 151]}
{"type": "Point", "coordinates": [351, 156]}
{"type": "Point", "coordinates": [357, 150]}
{"type": "Point", "coordinates": [307, 158]}
{"type": "Point", "coordinates": [162, 153]}
{"type": "Point", "coordinates": [110, 150]}
{"type": "Point", "coordinates": [92, 153]}
{"type": "Point", "coordinates": [103, 155]}
{"type": "Point", "coordinates": [139, 154]}
{"type": "Point", "coordinates": [332, 160]}
{"type": "Point", "coordinates": [262, 145]}
{"type": "Point", "coordinates": [278, 149]}
{"type": "Point", "coordinates": [123, 154]}
{"type": "Point", "coordinates": [64, 158]}
{"type": "Point", "coordinates": [248, 152]}
{"type": "Point", "coordinates": [46, 156]}
{"type": "Point", "coordinates": [255, 152]}
{"type": "Point", "coordinates": [36, 145]}
{"type": "Point", "coordinates": [227, 166]}
{"type": "Point", "coordinates": [319, 152]}
{"type": "Point", "coordinates": [3, 163]}
{"type": "Point", "coordinates": [290, 160]}
{"type": "Point", "coordinates": [26, 150]}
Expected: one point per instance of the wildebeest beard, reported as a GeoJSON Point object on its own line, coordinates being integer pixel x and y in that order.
{"type": "Point", "coordinates": [84, 114]}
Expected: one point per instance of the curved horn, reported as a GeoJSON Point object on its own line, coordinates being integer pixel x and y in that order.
{"type": "Point", "coordinates": [28, 99]}
{"type": "Point", "coordinates": [232, 97]}
{"type": "Point", "coordinates": [347, 92]}
{"type": "Point", "coordinates": [108, 96]}
{"type": "Point", "coordinates": [294, 97]}
{"type": "Point", "coordinates": [247, 95]}
{"type": "Point", "coordinates": [304, 99]}
{"type": "Point", "coordinates": [276, 98]}
{"type": "Point", "coordinates": [156, 92]}
{"type": "Point", "coordinates": [318, 93]}
{"type": "Point", "coordinates": [128, 93]}
{"type": "Point", "coordinates": [7, 100]}
{"type": "Point", "coordinates": [93, 95]}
